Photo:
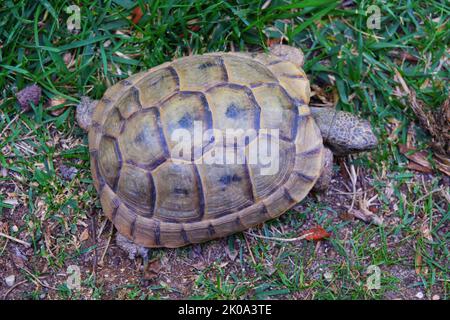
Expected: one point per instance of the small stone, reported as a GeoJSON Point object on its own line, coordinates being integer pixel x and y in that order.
{"type": "Point", "coordinates": [10, 280]}
{"type": "Point", "coordinates": [436, 297]}
{"type": "Point", "coordinates": [419, 295]}
{"type": "Point", "coordinates": [328, 276]}
{"type": "Point", "coordinates": [14, 228]}
{"type": "Point", "coordinates": [68, 173]}
{"type": "Point", "coordinates": [30, 94]}
{"type": "Point", "coordinates": [67, 58]}
{"type": "Point", "coordinates": [4, 172]}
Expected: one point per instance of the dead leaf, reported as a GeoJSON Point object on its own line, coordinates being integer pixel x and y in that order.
{"type": "Point", "coordinates": [316, 234]}
{"type": "Point", "coordinates": [364, 214]}
{"type": "Point", "coordinates": [426, 233]}
{"type": "Point", "coordinates": [84, 235]}
{"type": "Point", "coordinates": [417, 167]}
{"type": "Point", "coordinates": [403, 55]}
{"type": "Point", "coordinates": [137, 15]}
{"type": "Point", "coordinates": [56, 101]}
{"type": "Point", "coordinates": [418, 263]}
{"type": "Point", "coordinates": [436, 123]}
{"type": "Point", "coordinates": [327, 99]}
{"type": "Point", "coordinates": [442, 163]}
{"type": "Point", "coordinates": [151, 270]}
{"type": "Point", "coordinates": [346, 216]}
{"type": "Point", "coordinates": [418, 157]}
{"type": "Point", "coordinates": [272, 41]}
{"type": "Point", "coordinates": [193, 25]}
{"type": "Point", "coordinates": [12, 202]}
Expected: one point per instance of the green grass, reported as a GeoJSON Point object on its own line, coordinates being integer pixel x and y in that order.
{"type": "Point", "coordinates": [343, 57]}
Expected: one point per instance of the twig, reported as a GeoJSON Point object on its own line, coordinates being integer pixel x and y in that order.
{"type": "Point", "coordinates": [249, 249]}
{"type": "Point", "coordinates": [102, 227]}
{"type": "Point", "coordinates": [354, 178]}
{"type": "Point", "coordinates": [11, 122]}
{"type": "Point", "coordinates": [106, 247]}
{"type": "Point", "coordinates": [38, 280]}
{"type": "Point", "coordinates": [94, 236]}
{"type": "Point", "coordinates": [15, 239]}
{"type": "Point", "coordinates": [280, 239]}
{"type": "Point", "coordinates": [12, 288]}
{"type": "Point", "coordinates": [427, 194]}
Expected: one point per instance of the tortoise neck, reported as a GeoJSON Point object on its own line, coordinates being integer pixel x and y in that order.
{"type": "Point", "coordinates": [324, 118]}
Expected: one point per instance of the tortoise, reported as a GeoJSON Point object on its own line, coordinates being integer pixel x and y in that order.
{"type": "Point", "coordinates": [157, 197]}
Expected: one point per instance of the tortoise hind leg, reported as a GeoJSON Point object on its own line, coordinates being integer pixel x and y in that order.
{"type": "Point", "coordinates": [85, 111]}
{"type": "Point", "coordinates": [288, 53]}
{"type": "Point", "coordinates": [131, 248]}
{"type": "Point", "coordinates": [324, 180]}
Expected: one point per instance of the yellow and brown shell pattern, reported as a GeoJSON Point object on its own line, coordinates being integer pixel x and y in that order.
{"type": "Point", "coordinates": [157, 200]}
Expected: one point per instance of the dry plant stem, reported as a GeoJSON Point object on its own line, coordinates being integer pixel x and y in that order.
{"type": "Point", "coordinates": [10, 123]}
{"type": "Point", "coordinates": [94, 236]}
{"type": "Point", "coordinates": [12, 288]}
{"type": "Point", "coordinates": [15, 239]}
{"type": "Point", "coordinates": [38, 281]}
{"type": "Point", "coordinates": [106, 247]}
{"type": "Point", "coordinates": [279, 239]}
{"type": "Point", "coordinates": [354, 179]}
{"type": "Point", "coordinates": [249, 249]}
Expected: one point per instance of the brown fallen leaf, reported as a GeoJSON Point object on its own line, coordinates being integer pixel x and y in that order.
{"type": "Point", "coordinates": [403, 55]}
{"type": "Point", "coordinates": [193, 25]}
{"type": "Point", "coordinates": [418, 262]}
{"type": "Point", "coordinates": [136, 15]}
{"type": "Point", "coordinates": [316, 234]}
{"type": "Point", "coordinates": [437, 123]}
{"type": "Point", "coordinates": [327, 99]}
{"type": "Point", "coordinates": [56, 101]}
{"type": "Point", "coordinates": [363, 213]}
{"type": "Point", "coordinates": [84, 235]}
{"type": "Point", "coordinates": [442, 163]}
{"type": "Point", "coordinates": [273, 41]}
{"type": "Point", "coordinates": [426, 233]}
{"type": "Point", "coordinates": [151, 270]}
{"type": "Point", "coordinates": [419, 157]}
{"type": "Point", "coordinates": [417, 167]}
{"type": "Point", "coordinates": [413, 154]}
{"type": "Point", "coordinates": [346, 216]}
{"type": "Point", "coordinates": [366, 216]}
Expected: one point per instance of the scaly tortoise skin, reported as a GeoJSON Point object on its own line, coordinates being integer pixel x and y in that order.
{"type": "Point", "coordinates": [158, 202]}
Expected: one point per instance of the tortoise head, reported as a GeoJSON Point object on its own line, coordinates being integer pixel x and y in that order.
{"type": "Point", "coordinates": [343, 132]}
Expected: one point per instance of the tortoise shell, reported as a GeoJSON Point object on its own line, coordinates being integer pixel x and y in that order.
{"type": "Point", "coordinates": [157, 200]}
